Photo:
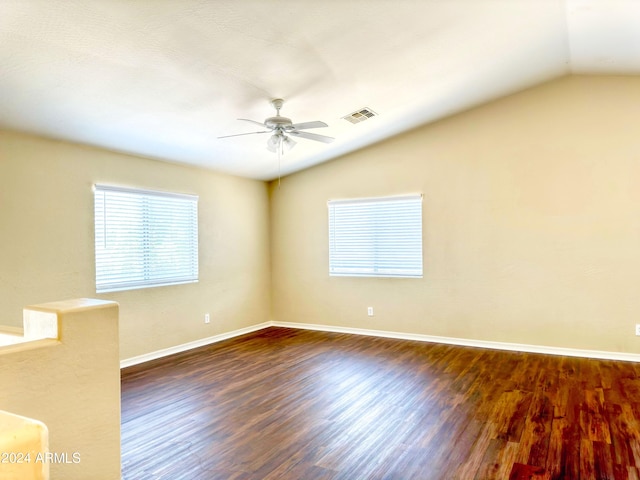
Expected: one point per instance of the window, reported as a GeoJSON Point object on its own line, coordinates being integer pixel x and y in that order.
{"type": "Point", "coordinates": [376, 237]}
{"type": "Point", "coordinates": [144, 238]}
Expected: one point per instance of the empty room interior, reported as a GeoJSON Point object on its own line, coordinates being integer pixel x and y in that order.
{"type": "Point", "coordinates": [331, 240]}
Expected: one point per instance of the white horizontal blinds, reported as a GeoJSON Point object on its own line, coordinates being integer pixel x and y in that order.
{"type": "Point", "coordinates": [144, 238]}
{"type": "Point", "coordinates": [376, 237]}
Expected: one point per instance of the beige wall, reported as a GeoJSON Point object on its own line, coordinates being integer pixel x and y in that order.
{"type": "Point", "coordinates": [531, 224]}
{"type": "Point", "coordinates": [47, 251]}
{"type": "Point", "coordinates": [531, 229]}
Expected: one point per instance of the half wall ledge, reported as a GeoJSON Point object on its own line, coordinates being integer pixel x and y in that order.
{"type": "Point", "coordinates": [65, 372]}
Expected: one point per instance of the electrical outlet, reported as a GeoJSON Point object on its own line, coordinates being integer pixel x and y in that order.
{"type": "Point", "coordinates": [370, 311]}
{"type": "Point", "coordinates": [207, 318]}
{"type": "Point", "coordinates": [638, 329]}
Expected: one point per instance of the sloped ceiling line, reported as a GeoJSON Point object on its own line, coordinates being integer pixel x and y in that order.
{"type": "Point", "coordinates": [165, 79]}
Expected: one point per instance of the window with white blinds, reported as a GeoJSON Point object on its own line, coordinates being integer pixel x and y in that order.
{"type": "Point", "coordinates": [376, 237]}
{"type": "Point", "coordinates": [144, 238]}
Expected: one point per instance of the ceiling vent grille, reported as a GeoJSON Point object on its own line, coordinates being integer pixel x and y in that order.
{"type": "Point", "coordinates": [360, 115]}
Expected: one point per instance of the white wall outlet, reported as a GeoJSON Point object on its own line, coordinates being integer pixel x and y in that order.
{"type": "Point", "coordinates": [207, 318]}
{"type": "Point", "coordinates": [370, 311]}
{"type": "Point", "coordinates": [638, 329]}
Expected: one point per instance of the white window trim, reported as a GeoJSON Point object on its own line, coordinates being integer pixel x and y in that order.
{"type": "Point", "coordinates": [378, 263]}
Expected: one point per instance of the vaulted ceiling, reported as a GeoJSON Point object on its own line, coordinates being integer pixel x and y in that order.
{"type": "Point", "coordinates": [164, 78]}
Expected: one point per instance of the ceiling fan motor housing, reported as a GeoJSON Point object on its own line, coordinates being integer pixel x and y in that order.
{"type": "Point", "coordinates": [278, 122]}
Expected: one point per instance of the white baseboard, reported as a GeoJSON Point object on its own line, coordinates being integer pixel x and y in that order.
{"type": "Point", "coordinates": [128, 362]}
{"type": "Point", "coordinates": [463, 342]}
{"type": "Point", "coordinates": [514, 347]}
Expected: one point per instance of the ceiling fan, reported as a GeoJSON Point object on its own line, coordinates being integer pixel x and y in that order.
{"type": "Point", "coordinates": [282, 129]}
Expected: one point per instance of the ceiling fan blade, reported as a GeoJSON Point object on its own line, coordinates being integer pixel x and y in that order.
{"type": "Point", "coordinates": [252, 121]}
{"type": "Point", "coordinates": [306, 125]}
{"type": "Point", "coordinates": [240, 134]}
{"type": "Point", "coordinates": [312, 136]}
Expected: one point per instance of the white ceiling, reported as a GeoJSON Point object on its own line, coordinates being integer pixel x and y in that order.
{"type": "Point", "coordinates": [164, 78]}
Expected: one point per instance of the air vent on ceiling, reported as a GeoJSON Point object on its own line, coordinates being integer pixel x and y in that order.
{"type": "Point", "coordinates": [360, 115]}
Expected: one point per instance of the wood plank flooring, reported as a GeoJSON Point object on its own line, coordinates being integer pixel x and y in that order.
{"type": "Point", "coordinates": [293, 404]}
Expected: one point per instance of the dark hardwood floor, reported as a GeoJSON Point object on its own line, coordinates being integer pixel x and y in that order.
{"type": "Point", "coordinates": [294, 404]}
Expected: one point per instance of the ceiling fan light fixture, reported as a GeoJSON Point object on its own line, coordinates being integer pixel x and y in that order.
{"type": "Point", "coordinates": [273, 142]}
{"type": "Point", "coordinates": [288, 143]}
{"type": "Point", "coordinates": [280, 140]}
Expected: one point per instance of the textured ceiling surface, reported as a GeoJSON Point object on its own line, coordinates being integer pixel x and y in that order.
{"type": "Point", "coordinates": [164, 78]}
